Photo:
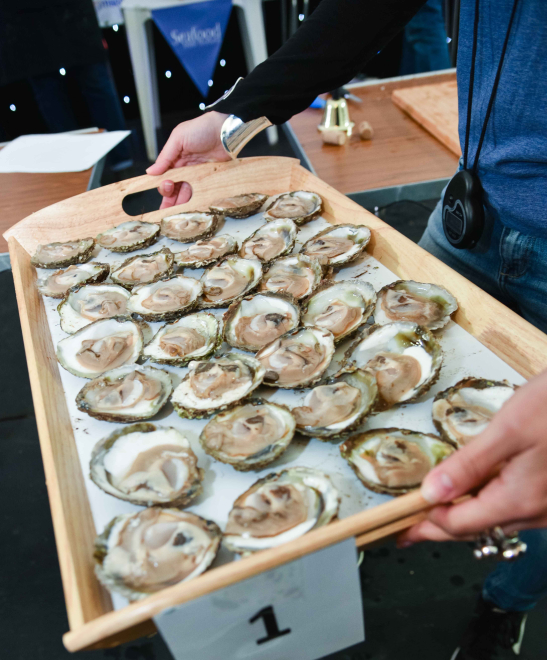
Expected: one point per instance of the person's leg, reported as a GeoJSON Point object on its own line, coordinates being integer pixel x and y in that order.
{"type": "Point", "coordinates": [52, 98]}
{"type": "Point", "coordinates": [424, 41]}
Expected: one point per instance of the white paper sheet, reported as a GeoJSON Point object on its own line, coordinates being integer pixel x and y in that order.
{"type": "Point", "coordinates": [57, 152]}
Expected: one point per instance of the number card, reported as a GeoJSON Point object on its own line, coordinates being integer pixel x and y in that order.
{"type": "Point", "coordinates": [305, 609]}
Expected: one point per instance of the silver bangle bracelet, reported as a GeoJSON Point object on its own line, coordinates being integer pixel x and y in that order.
{"type": "Point", "coordinates": [235, 133]}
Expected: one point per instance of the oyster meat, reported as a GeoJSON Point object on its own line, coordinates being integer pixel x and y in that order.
{"type": "Point", "coordinates": [336, 246]}
{"type": "Point", "coordinates": [338, 406]}
{"type": "Point", "coordinates": [394, 461]}
{"type": "Point", "coordinates": [239, 206]}
{"type": "Point", "coordinates": [279, 508]}
{"type": "Point", "coordinates": [300, 206]}
{"type": "Point", "coordinates": [463, 411]}
{"type": "Point", "coordinates": [426, 304]}
{"type": "Point", "coordinates": [194, 337]}
{"type": "Point", "coordinates": [249, 436]}
{"type": "Point", "coordinates": [129, 236]}
{"type": "Point", "coordinates": [57, 284]}
{"type": "Point", "coordinates": [298, 358]}
{"type": "Point", "coordinates": [60, 255]}
{"type": "Point", "coordinates": [190, 226]}
{"type": "Point", "coordinates": [206, 252]}
{"type": "Point", "coordinates": [91, 302]}
{"type": "Point", "coordinates": [165, 300]}
{"type": "Point", "coordinates": [405, 358]}
{"type": "Point", "coordinates": [259, 319]}
{"type": "Point", "coordinates": [341, 307]}
{"type": "Point", "coordinates": [147, 465]}
{"type": "Point", "coordinates": [296, 275]}
{"type": "Point", "coordinates": [141, 553]}
{"type": "Point", "coordinates": [127, 394]}
{"type": "Point", "coordinates": [102, 346]}
{"type": "Point", "coordinates": [144, 269]}
{"type": "Point", "coordinates": [229, 280]}
{"type": "Point", "coordinates": [217, 384]}
{"type": "Point", "coordinates": [270, 241]}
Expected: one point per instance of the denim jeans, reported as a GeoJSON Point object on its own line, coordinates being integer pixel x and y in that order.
{"type": "Point", "coordinates": [514, 270]}
{"type": "Point", "coordinates": [424, 41]}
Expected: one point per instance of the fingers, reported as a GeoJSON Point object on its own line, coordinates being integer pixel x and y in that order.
{"type": "Point", "coordinates": [166, 188]}
{"type": "Point", "coordinates": [168, 155]}
{"type": "Point", "coordinates": [175, 193]}
{"type": "Point", "coordinates": [424, 531]}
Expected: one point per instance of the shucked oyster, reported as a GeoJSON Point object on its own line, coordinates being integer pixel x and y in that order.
{"type": "Point", "coordinates": [91, 302]}
{"type": "Point", "coordinates": [239, 206]}
{"type": "Point", "coordinates": [337, 245]}
{"type": "Point", "coordinates": [102, 346]}
{"type": "Point", "coordinates": [463, 411]}
{"type": "Point", "coordinates": [147, 465]}
{"type": "Point", "coordinates": [428, 305]}
{"type": "Point", "coordinates": [129, 236]}
{"type": "Point", "coordinates": [341, 307]}
{"type": "Point", "coordinates": [190, 226]}
{"type": "Point", "coordinates": [298, 358]}
{"type": "Point", "coordinates": [144, 269]}
{"type": "Point", "coordinates": [249, 436]}
{"type": "Point", "coordinates": [300, 206]}
{"type": "Point", "coordinates": [206, 252]}
{"type": "Point", "coordinates": [296, 275]}
{"type": "Point", "coordinates": [194, 337]}
{"type": "Point", "coordinates": [229, 280]}
{"type": "Point", "coordinates": [127, 394]}
{"type": "Point", "coordinates": [165, 300]}
{"type": "Point", "coordinates": [394, 461]}
{"type": "Point", "coordinates": [270, 241]}
{"type": "Point", "coordinates": [57, 284]}
{"type": "Point", "coordinates": [141, 553]}
{"type": "Point", "coordinates": [60, 255]}
{"type": "Point", "coordinates": [215, 385]}
{"type": "Point", "coordinates": [259, 319]}
{"type": "Point", "coordinates": [279, 508]}
{"type": "Point", "coordinates": [338, 406]}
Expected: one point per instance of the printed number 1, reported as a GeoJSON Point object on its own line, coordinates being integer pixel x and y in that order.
{"type": "Point", "coordinates": [267, 614]}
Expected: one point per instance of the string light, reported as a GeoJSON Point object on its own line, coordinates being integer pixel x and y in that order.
{"type": "Point", "coordinates": [62, 71]}
{"type": "Point", "coordinates": [115, 27]}
{"type": "Point", "coordinates": [301, 17]}
{"type": "Point", "coordinates": [126, 99]}
{"type": "Point", "coordinates": [12, 108]}
{"type": "Point", "coordinates": [168, 74]}
{"type": "Point", "coordinates": [210, 83]}
{"type": "Point", "coordinates": [222, 62]}
{"type": "Point", "coordinates": [202, 106]}
{"type": "Point", "coordinates": [448, 40]}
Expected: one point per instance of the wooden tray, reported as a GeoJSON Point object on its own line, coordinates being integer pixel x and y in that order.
{"type": "Point", "coordinates": [92, 621]}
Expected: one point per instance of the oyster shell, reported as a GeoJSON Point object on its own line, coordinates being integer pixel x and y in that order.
{"type": "Point", "coordinates": [298, 358]}
{"type": "Point", "coordinates": [229, 280]}
{"type": "Point", "coordinates": [405, 358]}
{"type": "Point", "coordinates": [338, 245]}
{"type": "Point", "coordinates": [279, 508]}
{"type": "Point", "coordinates": [190, 226]}
{"type": "Point", "coordinates": [249, 436]}
{"type": "Point", "coordinates": [165, 300]}
{"type": "Point", "coordinates": [336, 407]}
{"type": "Point", "coordinates": [239, 206]}
{"type": "Point", "coordinates": [206, 252]}
{"type": "Point", "coordinates": [257, 320]}
{"type": "Point", "coordinates": [300, 206]}
{"type": "Point", "coordinates": [60, 255]}
{"type": "Point", "coordinates": [141, 553]}
{"type": "Point", "coordinates": [129, 236]}
{"type": "Point", "coordinates": [394, 461]}
{"type": "Point", "coordinates": [463, 411]}
{"type": "Point", "coordinates": [270, 241]}
{"type": "Point", "coordinates": [217, 384]}
{"type": "Point", "coordinates": [194, 337]}
{"type": "Point", "coordinates": [91, 302]}
{"type": "Point", "coordinates": [147, 465]}
{"type": "Point", "coordinates": [341, 307]}
{"type": "Point", "coordinates": [144, 269]}
{"type": "Point", "coordinates": [428, 305]}
{"type": "Point", "coordinates": [127, 394]}
{"type": "Point", "coordinates": [57, 284]}
{"type": "Point", "coordinates": [102, 346]}
{"type": "Point", "coordinates": [296, 275]}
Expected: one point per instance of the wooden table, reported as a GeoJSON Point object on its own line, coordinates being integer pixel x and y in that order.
{"type": "Point", "coordinates": [400, 153]}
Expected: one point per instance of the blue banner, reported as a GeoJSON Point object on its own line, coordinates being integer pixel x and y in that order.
{"type": "Point", "coordinates": [195, 33]}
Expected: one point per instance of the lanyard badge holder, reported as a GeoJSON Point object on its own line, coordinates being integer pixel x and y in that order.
{"type": "Point", "coordinates": [463, 210]}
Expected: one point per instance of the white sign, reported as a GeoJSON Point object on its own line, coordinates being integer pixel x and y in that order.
{"type": "Point", "coordinates": [306, 609]}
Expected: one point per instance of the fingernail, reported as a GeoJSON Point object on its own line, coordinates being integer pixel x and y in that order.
{"type": "Point", "coordinates": [149, 168]}
{"type": "Point", "coordinates": [404, 544]}
{"type": "Point", "coordinates": [437, 488]}
{"type": "Point", "coordinates": [168, 185]}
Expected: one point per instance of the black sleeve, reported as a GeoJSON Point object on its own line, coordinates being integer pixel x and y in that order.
{"type": "Point", "coordinates": [325, 52]}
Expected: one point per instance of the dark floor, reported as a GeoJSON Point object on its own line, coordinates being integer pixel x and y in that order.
{"type": "Point", "coordinates": [416, 601]}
